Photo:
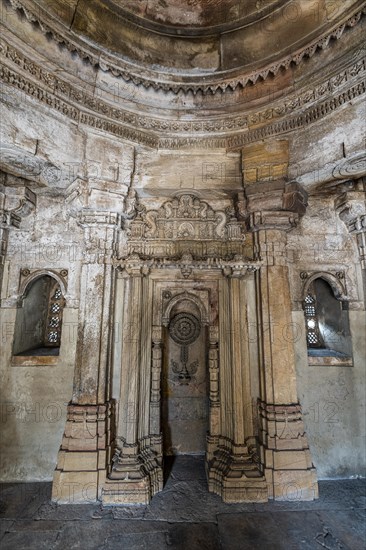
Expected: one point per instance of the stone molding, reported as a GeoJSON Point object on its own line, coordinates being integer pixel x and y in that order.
{"type": "Point", "coordinates": [75, 104]}
{"type": "Point", "coordinates": [110, 62]}
{"type": "Point", "coordinates": [238, 267]}
{"type": "Point", "coordinates": [301, 120]}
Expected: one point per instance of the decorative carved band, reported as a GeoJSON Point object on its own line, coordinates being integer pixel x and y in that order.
{"type": "Point", "coordinates": [300, 120]}
{"type": "Point", "coordinates": [237, 267]}
{"type": "Point", "coordinates": [186, 218]}
{"type": "Point", "coordinates": [70, 101]}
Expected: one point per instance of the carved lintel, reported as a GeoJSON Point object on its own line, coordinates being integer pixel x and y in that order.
{"type": "Point", "coordinates": [238, 267]}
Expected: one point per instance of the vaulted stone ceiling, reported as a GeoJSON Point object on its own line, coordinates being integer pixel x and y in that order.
{"type": "Point", "coordinates": [172, 74]}
{"type": "Point", "coordinates": [195, 44]}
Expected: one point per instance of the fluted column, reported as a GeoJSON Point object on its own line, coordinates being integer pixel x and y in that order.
{"type": "Point", "coordinates": [232, 472]}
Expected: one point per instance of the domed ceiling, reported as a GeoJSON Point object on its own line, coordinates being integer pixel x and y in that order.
{"type": "Point", "coordinates": [187, 73]}
{"type": "Point", "coordinates": [199, 14]}
{"type": "Point", "coordinates": [194, 44]}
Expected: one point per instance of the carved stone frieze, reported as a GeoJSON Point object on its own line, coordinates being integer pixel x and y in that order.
{"type": "Point", "coordinates": [300, 120]}
{"type": "Point", "coordinates": [73, 102]}
{"type": "Point", "coordinates": [185, 225]}
{"type": "Point", "coordinates": [237, 267]}
{"type": "Point", "coordinates": [309, 96]}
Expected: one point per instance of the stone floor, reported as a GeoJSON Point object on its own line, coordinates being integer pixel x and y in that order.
{"type": "Point", "coordinates": [185, 516]}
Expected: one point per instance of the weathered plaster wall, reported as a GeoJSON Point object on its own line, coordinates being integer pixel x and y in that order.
{"type": "Point", "coordinates": [34, 398]}
{"type": "Point", "coordinates": [333, 398]}
{"type": "Point", "coordinates": [333, 401]}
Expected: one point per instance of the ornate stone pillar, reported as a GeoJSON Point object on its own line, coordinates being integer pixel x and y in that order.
{"type": "Point", "coordinates": [285, 454]}
{"type": "Point", "coordinates": [351, 208]}
{"type": "Point", "coordinates": [86, 444]}
{"type": "Point", "coordinates": [232, 472]}
{"type": "Point", "coordinates": [155, 400]}
{"type": "Point", "coordinates": [214, 390]}
{"type": "Point", "coordinates": [136, 473]}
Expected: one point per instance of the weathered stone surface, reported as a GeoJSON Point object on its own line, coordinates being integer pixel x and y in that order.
{"type": "Point", "coordinates": [195, 518]}
{"type": "Point", "coordinates": [223, 181]}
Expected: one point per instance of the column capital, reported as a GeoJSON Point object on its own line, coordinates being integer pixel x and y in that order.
{"type": "Point", "coordinates": [15, 203]}
{"type": "Point", "coordinates": [351, 208]}
{"type": "Point", "coordinates": [134, 266]}
{"type": "Point", "coordinates": [275, 205]}
{"type": "Point", "coordinates": [101, 233]}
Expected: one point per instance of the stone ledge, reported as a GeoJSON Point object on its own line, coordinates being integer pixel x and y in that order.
{"type": "Point", "coordinates": [330, 362]}
{"type": "Point", "coordinates": [34, 361]}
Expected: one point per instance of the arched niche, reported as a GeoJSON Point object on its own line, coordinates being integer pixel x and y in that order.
{"type": "Point", "coordinates": [38, 323]}
{"type": "Point", "coordinates": [185, 377]}
{"type": "Point", "coordinates": [326, 316]}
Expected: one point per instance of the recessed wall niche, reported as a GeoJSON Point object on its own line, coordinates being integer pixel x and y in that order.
{"type": "Point", "coordinates": [38, 324]}
{"type": "Point", "coordinates": [326, 321]}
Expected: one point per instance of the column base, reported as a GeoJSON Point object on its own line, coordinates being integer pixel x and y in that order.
{"type": "Point", "coordinates": [135, 476]}
{"type": "Point", "coordinates": [233, 474]}
{"type": "Point", "coordinates": [84, 454]}
{"type": "Point", "coordinates": [285, 454]}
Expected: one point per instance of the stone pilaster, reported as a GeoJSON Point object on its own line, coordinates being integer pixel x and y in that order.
{"type": "Point", "coordinates": [285, 454]}
{"type": "Point", "coordinates": [351, 208]}
{"type": "Point", "coordinates": [232, 471]}
{"type": "Point", "coordinates": [136, 473]}
{"type": "Point", "coordinates": [86, 446]}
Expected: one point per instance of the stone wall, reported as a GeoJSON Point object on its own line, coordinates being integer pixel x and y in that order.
{"type": "Point", "coordinates": [85, 173]}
